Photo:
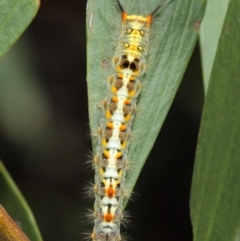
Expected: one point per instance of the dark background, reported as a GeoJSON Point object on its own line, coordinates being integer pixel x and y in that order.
{"type": "Point", "coordinates": [45, 138]}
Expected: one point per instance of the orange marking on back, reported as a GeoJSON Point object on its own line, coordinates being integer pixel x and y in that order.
{"type": "Point", "coordinates": [110, 125]}
{"type": "Point", "coordinates": [114, 89]}
{"type": "Point", "coordinates": [127, 101]}
{"type": "Point", "coordinates": [123, 127]}
{"type": "Point", "coordinates": [106, 153]}
{"type": "Point", "coordinates": [119, 154]}
{"type": "Point", "coordinates": [124, 17]}
{"type": "Point", "coordinates": [108, 217]}
{"type": "Point", "coordinates": [118, 68]}
{"type": "Point", "coordinates": [124, 144]}
{"type": "Point", "coordinates": [131, 93]}
{"type": "Point", "coordinates": [127, 118]}
{"type": "Point", "coordinates": [115, 99]}
{"type": "Point", "coordinates": [104, 142]}
{"type": "Point", "coordinates": [108, 114]}
{"type": "Point", "coordinates": [149, 20]}
{"type": "Point", "coordinates": [110, 191]}
{"type": "Point", "coordinates": [120, 75]}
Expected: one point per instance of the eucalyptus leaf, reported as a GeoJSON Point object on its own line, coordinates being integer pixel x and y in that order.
{"type": "Point", "coordinates": [172, 41]}
{"type": "Point", "coordinates": [215, 199]}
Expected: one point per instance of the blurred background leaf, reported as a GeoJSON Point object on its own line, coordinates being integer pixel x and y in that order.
{"type": "Point", "coordinates": [15, 16]}
{"type": "Point", "coordinates": [40, 138]}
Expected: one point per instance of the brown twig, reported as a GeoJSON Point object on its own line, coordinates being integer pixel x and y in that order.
{"type": "Point", "coordinates": [9, 230]}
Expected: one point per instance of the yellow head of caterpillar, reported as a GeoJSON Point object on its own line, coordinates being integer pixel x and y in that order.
{"type": "Point", "coordinates": [148, 19]}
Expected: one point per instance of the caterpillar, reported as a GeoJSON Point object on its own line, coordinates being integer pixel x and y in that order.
{"type": "Point", "coordinates": [114, 134]}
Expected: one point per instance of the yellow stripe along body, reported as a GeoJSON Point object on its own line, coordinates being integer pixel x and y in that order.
{"type": "Point", "coordinates": [129, 62]}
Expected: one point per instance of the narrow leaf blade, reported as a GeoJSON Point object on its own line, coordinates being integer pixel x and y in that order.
{"type": "Point", "coordinates": [215, 199]}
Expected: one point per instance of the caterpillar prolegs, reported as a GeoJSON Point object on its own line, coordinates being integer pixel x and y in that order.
{"type": "Point", "coordinates": [118, 109]}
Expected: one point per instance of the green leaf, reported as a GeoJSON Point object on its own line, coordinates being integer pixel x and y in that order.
{"type": "Point", "coordinates": [13, 201]}
{"type": "Point", "coordinates": [15, 16]}
{"type": "Point", "coordinates": [210, 31]}
{"type": "Point", "coordinates": [171, 44]}
{"type": "Point", "coordinates": [215, 199]}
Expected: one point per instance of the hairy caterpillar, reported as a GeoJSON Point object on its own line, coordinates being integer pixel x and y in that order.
{"type": "Point", "coordinates": [118, 109]}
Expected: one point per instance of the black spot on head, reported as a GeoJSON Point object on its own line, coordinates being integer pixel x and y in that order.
{"type": "Point", "coordinates": [124, 63]}
{"type": "Point", "coordinates": [134, 65]}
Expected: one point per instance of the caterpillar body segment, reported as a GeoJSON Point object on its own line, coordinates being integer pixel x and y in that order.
{"type": "Point", "coordinates": [118, 109]}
